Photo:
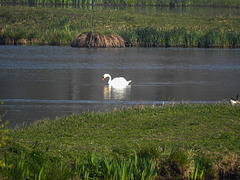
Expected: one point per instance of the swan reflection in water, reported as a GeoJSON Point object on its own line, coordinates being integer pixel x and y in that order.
{"type": "Point", "coordinates": [117, 89]}
{"type": "Point", "coordinates": [116, 93]}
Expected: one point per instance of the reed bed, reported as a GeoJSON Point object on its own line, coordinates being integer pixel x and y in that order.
{"type": "Point", "coordinates": [180, 37]}
{"type": "Point", "coordinates": [171, 3]}
{"type": "Point", "coordinates": [171, 141]}
{"type": "Point", "coordinates": [57, 26]}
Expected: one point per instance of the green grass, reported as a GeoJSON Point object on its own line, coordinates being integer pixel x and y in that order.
{"type": "Point", "coordinates": [184, 140]}
{"type": "Point", "coordinates": [180, 37]}
{"type": "Point", "coordinates": [172, 3]}
{"type": "Point", "coordinates": [58, 26]}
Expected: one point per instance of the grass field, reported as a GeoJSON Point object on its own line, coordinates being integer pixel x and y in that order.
{"type": "Point", "coordinates": [183, 140]}
{"type": "Point", "coordinates": [171, 3]}
{"type": "Point", "coordinates": [58, 26]}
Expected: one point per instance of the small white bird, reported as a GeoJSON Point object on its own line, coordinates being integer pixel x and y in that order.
{"type": "Point", "coordinates": [116, 82]}
{"type": "Point", "coordinates": [234, 101]}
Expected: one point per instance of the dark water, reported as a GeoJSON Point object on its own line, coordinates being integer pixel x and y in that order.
{"type": "Point", "coordinates": [38, 82]}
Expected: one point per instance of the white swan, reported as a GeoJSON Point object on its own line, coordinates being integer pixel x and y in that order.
{"type": "Point", "coordinates": [116, 82]}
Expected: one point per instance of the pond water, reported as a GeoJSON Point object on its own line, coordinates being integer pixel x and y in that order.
{"type": "Point", "coordinates": [41, 82]}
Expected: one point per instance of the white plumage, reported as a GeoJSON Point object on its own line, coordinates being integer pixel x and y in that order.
{"type": "Point", "coordinates": [116, 82]}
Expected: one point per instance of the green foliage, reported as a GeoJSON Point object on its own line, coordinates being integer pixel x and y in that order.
{"type": "Point", "coordinates": [114, 168]}
{"type": "Point", "coordinates": [174, 164]}
{"type": "Point", "coordinates": [56, 26]}
{"type": "Point", "coordinates": [171, 3]}
{"type": "Point", "coordinates": [202, 168]}
{"type": "Point", "coordinates": [169, 141]}
{"type": "Point", "coordinates": [179, 37]}
{"type": "Point", "coordinates": [3, 132]}
{"type": "Point", "coordinates": [3, 138]}
{"type": "Point", "coordinates": [34, 165]}
{"type": "Point", "coordinates": [148, 151]}
{"type": "Point", "coordinates": [179, 157]}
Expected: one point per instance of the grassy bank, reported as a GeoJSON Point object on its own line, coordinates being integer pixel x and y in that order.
{"type": "Point", "coordinates": [187, 141]}
{"type": "Point", "coordinates": [171, 3]}
{"type": "Point", "coordinates": [57, 26]}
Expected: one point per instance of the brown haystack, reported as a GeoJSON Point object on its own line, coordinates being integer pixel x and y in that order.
{"type": "Point", "coordinates": [96, 40]}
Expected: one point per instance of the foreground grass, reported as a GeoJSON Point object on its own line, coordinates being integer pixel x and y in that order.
{"type": "Point", "coordinates": [58, 26]}
{"type": "Point", "coordinates": [180, 139]}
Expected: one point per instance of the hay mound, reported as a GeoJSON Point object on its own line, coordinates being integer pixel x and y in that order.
{"type": "Point", "coordinates": [96, 40]}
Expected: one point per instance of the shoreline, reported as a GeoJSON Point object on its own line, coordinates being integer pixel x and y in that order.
{"type": "Point", "coordinates": [126, 45]}
{"type": "Point", "coordinates": [26, 25]}
{"type": "Point", "coordinates": [182, 136]}
{"type": "Point", "coordinates": [188, 47]}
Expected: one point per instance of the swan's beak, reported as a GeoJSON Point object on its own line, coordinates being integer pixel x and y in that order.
{"type": "Point", "coordinates": [102, 78]}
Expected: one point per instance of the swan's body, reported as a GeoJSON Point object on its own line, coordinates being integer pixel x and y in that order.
{"type": "Point", "coordinates": [117, 82]}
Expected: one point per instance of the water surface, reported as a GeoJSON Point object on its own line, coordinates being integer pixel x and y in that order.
{"type": "Point", "coordinates": [39, 82]}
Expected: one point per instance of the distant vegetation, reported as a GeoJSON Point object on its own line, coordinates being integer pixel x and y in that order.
{"type": "Point", "coordinates": [179, 141]}
{"type": "Point", "coordinates": [97, 40]}
{"type": "Point", "coordinates": [150, 28]}
{"type": "Point", "coordinates": [225, 3]}
{"type": "Point", "coordinates": [180, 37]}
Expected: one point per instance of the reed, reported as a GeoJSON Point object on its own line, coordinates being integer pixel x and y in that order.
{"type": "Point", "coordinates": [3, 138]}
{"type": "Point", "coordinates": [34, 165]}
{"type": "Point", "coordinates": [37, 165]}
{"type": "Point", "coordinates": [179, 37]}
{"type": "Point", "coordinates": [202, 168]}
{"type": "Point", "coordinates": [3, 134]}
{"type": "Point", "coordinates": [173, 163]}
{"type": "Point", "coordinates": [172, 3]}
{"type": "Point", "coordinates": [55, 26]}
{"type": "Point", "coordinates": [98, 167]}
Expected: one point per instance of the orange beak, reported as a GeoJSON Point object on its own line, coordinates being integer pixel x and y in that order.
{"type": "Point", "coordinates": [102, 78]}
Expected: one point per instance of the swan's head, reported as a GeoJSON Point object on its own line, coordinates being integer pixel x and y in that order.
{"type": "Point", "coordinates": [105, 76]}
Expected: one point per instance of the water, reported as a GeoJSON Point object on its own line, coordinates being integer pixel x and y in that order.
{"type": "Point", "coordinates": [41, 82]}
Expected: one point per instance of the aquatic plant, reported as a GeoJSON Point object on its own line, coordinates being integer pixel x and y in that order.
{"type": "Point", "coordinates": [34, 165]}
{"type": "Point", "coordinates": [202, 167]}
{"type": "Point", "coordinates": [179, 37]}
{"type": "Point", "coordinates": [98, 167]}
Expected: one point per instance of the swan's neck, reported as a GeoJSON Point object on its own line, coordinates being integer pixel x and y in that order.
{"type": "Point", "coordinates": [110, 79]}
